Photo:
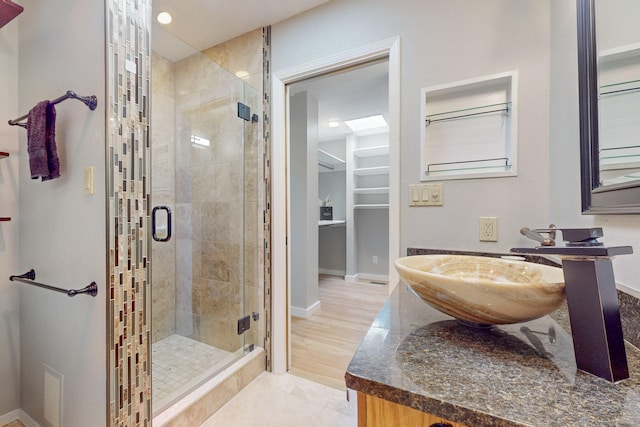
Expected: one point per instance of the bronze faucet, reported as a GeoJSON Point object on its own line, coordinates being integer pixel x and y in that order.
{"type": "Point", "coordinates": [592, 298]}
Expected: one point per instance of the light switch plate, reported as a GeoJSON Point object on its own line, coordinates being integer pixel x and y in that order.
{"type": "Point", "coordinates": [426, 194]}
{"type": "Point", "coordinates": [88, 180]}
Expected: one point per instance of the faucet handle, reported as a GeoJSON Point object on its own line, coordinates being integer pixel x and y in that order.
{"type": "Point", "coordinates": [535, 235]}
{"type": "Point", "coordinates": [582, 236]}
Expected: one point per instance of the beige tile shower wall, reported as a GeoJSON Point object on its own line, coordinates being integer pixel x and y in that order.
{"type": "Point", "coordinates": [243, 53]}
{"type": "Point", "coordinates": [210, 190]}
{"type": "Point", "coordinates": [246, 53]}
{"type": "Point", "coordinates": [210, 257]}
{"type": "Point", "coordinates": [163, 153]}
{"type": "Point", "coordinates": [128, 161]}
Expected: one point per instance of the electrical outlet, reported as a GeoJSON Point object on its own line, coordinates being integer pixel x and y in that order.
{"type": "Point", "coordinates": [375, 259]}
{"type": "Point", "coordinates": [489, 229]}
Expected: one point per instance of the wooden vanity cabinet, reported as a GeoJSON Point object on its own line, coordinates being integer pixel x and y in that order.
{"type": "Point", "coordinates": [376, 412]}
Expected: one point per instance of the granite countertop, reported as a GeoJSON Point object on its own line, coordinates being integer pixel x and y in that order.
{"type": "Point", "coordinates": [416, 356]}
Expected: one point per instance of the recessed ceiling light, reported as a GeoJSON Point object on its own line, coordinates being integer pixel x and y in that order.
{"type": "Point", "coordinates": [366, 123]}
{"type": "Point", "coordinates": [333, 123]}
{"type": "Point", "coordinates": [164, 18]}
{"type": "Point", "coordinates": [242, 74]}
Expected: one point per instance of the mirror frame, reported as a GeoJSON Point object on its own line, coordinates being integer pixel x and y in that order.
{"type": "Point", "coordinates": [614, 199]}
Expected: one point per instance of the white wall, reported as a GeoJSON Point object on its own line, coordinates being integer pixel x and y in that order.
{"type": "Point", "coordinates": [9, 244]}
{"type": "Point", "coordinates": [332, 250]}
{"type": "Point", "coordinates": [304, 201]}
{"type": "Point", "coordinates": [62, 230]}
{"type": "Point", "coordinates": [441, 42]}
{"type": "Point", "coordinates": [372, 240]}
{"type": "Point", "coordinates": [564, 169]}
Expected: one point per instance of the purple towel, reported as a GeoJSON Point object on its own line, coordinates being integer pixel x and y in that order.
{"type": "Point", "coordinates": [41, 142]}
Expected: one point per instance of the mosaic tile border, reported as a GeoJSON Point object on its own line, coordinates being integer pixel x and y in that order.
{"type": "Point", "coordinates": [266, 100]}
{"type": "Point", "coordinates": [128, 50]}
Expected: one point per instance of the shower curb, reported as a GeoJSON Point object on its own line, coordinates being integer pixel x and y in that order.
{"type": "Point", "coordinates": [204, 401]}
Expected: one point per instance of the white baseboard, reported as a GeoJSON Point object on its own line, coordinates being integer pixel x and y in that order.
{"type": "Point", "coordinates": [305, 313]}
{"type": "Point", "coordinates": [331, 272]}
{"type": "Point", "coordinates": [373, 277]}
{"type": "Point", "coordinates": [18, 415]}
{"type": "Point", "coordinates": [367, 276]}
{"type": "Point", "coordinates": [353, 278]}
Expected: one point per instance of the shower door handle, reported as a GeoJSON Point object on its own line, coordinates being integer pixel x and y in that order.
{"type": "Point", "coordinates": [166, 228]}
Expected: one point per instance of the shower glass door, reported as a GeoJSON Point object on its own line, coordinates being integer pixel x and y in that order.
{"type": "Point", "coordinates": [204, 278]}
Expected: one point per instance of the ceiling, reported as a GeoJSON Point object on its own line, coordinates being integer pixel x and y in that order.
{"type": "Point", "coordinates": [205, 23]}
{"type": "Point", "coordinates": [353, 93]}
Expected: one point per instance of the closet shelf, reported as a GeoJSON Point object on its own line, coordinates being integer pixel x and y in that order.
{"type": "Point", "coordinates": [379, 170]}
{"type": "Point", "coordinates": [3, 154]}
{"type": "Point", "coordinates": [371, 190]}
{"type": "Point", "coordinates": [372, 206]}
{"type": "Point", "coordinates": [371, 151]}
{"type": "Point", "coordinates": [329, 162]}
{"type": "Point", "coordinates": [328, 223]}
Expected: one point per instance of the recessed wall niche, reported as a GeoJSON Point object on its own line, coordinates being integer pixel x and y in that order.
{"type": "Point", "coordinates": [469, 128]}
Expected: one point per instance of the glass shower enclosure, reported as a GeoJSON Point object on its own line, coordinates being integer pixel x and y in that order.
{"type": "Point", "coordinates": [205, 248]}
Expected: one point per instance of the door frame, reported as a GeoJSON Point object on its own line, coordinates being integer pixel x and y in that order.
{"type": "Point", "coordinates": [280, 251]}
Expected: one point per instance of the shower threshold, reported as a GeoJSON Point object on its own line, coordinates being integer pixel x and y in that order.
{"type": "Point", "coordinates": [203, 401]}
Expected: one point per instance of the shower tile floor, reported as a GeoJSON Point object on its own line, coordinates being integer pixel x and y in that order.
{"type": "Point", "coordinates": [180, 363]}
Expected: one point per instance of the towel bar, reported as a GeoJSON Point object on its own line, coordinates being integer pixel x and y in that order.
{"type": "Point", "coordinates": [89, 101]}
{"type": "Point", "coordinates": [30, 276]}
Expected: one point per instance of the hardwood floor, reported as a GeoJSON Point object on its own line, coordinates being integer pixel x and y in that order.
{"type": "Point", "coordinates": [322, 346]}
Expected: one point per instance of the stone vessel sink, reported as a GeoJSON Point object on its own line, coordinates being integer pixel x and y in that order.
{"type": "Point", "coordinates": [482, 291]}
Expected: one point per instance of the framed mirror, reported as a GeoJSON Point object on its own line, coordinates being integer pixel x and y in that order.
{"type": "Point", "coordinates": [609, 98]}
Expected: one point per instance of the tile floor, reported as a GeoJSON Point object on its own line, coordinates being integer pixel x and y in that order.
{"type": "Point", "coordinates": [283, 401]}
{"type": "Point", "coordinates": [287, 401]}
{"type": "Point", "coordinates": [180, 363]}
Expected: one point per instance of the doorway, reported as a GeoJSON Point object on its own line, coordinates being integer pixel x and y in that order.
{"type": "Point", "coordinates": [281, 179]}
{"type": "Point", "coordinates": [339, 205]}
